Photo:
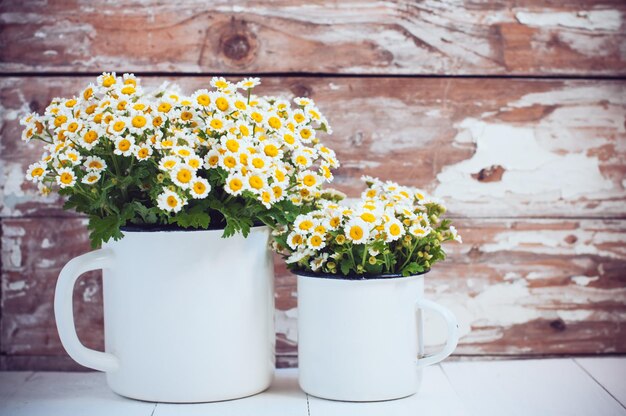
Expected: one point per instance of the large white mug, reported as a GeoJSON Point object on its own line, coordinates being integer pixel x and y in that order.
{"type": "Point", "coordinates": [188, 315]}
{"type": "Point", "coordinates": [359, 340]}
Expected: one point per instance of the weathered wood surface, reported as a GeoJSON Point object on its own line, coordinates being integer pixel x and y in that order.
{"type": "Point", "coordinates": [366, 37]}
{"type": "Point", "coordinates": [525, 286]}
{"type": "Point", "coordinates": [489, 147]}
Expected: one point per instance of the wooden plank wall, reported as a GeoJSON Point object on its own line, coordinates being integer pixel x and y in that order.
{"type": "Point", "coordinates": [514, 112]}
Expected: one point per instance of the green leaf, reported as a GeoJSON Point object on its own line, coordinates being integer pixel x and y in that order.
{"type": "Point", "coordinates": [412, 268]}
{"type": "Point", "coordinates": [194, 217]}
{"type": "Point", "coordinates": [345, 266]}
{"type": "Point", "coordinates": [103, 229]}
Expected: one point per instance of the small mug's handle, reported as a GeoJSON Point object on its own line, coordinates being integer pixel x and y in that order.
{"type": "Point", "coordinates": [453, 332]}
{"type": "Point", "coordinates": [64, 312]}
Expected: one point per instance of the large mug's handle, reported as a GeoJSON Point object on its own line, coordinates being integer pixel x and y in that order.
{"type": "Point", "coordinates": [453, 332]}
{"type": "Point", "coordinates": [64, 312]}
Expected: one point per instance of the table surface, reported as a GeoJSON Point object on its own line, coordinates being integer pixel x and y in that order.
{"type": "Point", "coordinates": [566, 386]}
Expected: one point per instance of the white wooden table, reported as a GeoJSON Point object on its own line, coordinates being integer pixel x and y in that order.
{"type": "Point", "coordinates": [581, 386]}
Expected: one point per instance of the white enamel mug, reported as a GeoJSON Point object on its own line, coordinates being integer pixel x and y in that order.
{"type": "Point", "coordinates": [188, 315]}
{"type": "Point", "coordinates": [359, 340]}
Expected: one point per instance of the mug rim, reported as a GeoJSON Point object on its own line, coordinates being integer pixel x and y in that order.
{"type": "Point", "coordinates": [132, 228]}
{"type": "Point", "coordinates": [355, 277]}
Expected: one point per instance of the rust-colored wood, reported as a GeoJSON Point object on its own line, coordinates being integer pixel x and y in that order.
{"type": "Point", "coordinates": [523, 286]}
{"type": "Point", "coordinates": [366, 37]}
{"type": "Point", "coordinates": [489, 147]}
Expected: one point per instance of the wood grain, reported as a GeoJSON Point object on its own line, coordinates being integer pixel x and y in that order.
{"type": "Point", "coordinates": [540, 37]}
{"type": "Point", "coordinates": [524, 286]}
{"type": "Point", "coordinates": [489, 147]}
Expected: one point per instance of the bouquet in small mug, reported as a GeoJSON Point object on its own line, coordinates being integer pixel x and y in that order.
{"type": "Point", "coordinates": [391, 230]}
{"type": "Point", "coordinates": [221, 158]}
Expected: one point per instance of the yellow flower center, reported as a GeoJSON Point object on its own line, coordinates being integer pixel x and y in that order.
{"type": "Point", "coordinates": [139, 121]}
{"type": "Point", "coordinates": [119, 126]}
{"type": "Point", "coordinates": [368, 217]}
{"type": "Point", "coordinates": [94, 164]}
{"type": "Point", "coordinates": [183, 175]}
{"type": "Point", "coordinates": [232, 145]}
{"type": "Point", "coordinates": [58, 120]}
{"type": "Point", "coordinates": [279, 175]}
{"type": "Point", "coordinates": [70, 103]}
{"type": "Point", "coordinates": [301, 160]}
{"type": "Point", "coordinates": [305, 133]}
{"type": "Point", "coordinates": [213, 160]}
{"type": "Point", "coordinates": [230, 161]}
{"type": "Point", "coordinates": [309, 180]}
{"type": "Point", "coordinates": [306, 225]}
{"type": "Point", "coordinates": [258, 162]}
{"type": "Point", "coordinates": [271, 150]}
{"type": "Point", "coordinates": [316, 241]}
{"type": "Point", "coordinates": [186, 115]}
{"type": "Point", "coordinates": [258, 117]}
{"type": "Point", "coordinates": [334, 222]}
{"type": "Point", "coordinates": [274, 123]}
{"type": "Point", "coordinates": [123, 145]}
{"type": "Point", "coordinates": [199, 188]}
{"type": "Point", "coordinates": [278, 191]}
{"type": "Point", "coordinates": [88, 93]}
{"type": "Point", "coordinates": [90, 136]}
{"type": "Point", "coordinates": [128, 90]}
{"type": "Point", "coordinates": [217, 124]}
{"type": "Point", "coordinates": [240, 105]}
{"type": "Point", "coordinates": [157, 121]}
{"type": "Point", "coordinates": [67, 178]}
{"type": "Point", "coordinates": [172, 201]}
{"type": "Point", "coordinates": [394, 229]}
{"type": "Point", "coordinates": [299, 118]}
{"type": "Point", "coordinates": [37, 172]}
{"type": "Point", "coordinates": [356, 232]}
{"type": "Point", "coordinates": [143, 153]}
{"type": "Point", "coordinates": [235, 184]}
{"type": "Point", "coordinates": [203, 99]}
{"type": "Point", "coordinates": [165, 107]}
{"type": "Point", "coordinates": [222, 103]}
{"type": "Point", "coordinates": [108, 81]}
{"type": "Point", "coordinates": [256, 182]}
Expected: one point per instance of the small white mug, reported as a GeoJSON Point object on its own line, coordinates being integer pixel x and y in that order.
{"type": "Point", "coordinates": [359, 340]}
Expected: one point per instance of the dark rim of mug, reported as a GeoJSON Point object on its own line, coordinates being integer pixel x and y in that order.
{"type": "Point", "coordinates": [149, 228]}
{"type": "Point", "coordinates": [357, 277]}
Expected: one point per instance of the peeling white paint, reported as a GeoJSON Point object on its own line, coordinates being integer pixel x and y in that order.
{"type": "Point", "coordinates": [89, 293]}
{"type": "Point", "coordinates": [592, 20]}
{"type": "Point", "coordinates": [45, 243]}
{"type": "Point", "coordinates": [584, 280]}
{"type": "Point", "coordinates": [17, 285]}
{"type": "Point", "coordinates": [529, 168]}
{"type": "Point", "coordinates": [286, 323]}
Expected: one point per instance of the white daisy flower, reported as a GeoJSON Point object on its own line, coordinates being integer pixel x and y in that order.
{"type": "Point", "coordinates": [36, 172]}
{"type": "Point", "coordinates": [357, 231]}
{"type": "Point", "coordinates": [394, 230]}
{"type": "Point", "coordinates": [199, 188]}
{"type": "Point", "coordinates": [168, 163]}
{"type": "Point", "coordinates": [91, 177]}
{"type": "Point", "coordinates": [234, 184]}
{"type": "Point", "coordinates": [170, 201]}
{"type": "Point", "coordinates": [94, 163]}
{"type": "Point", "coordinates": [182, 175]}
{"type": "Point", "coordinates": [124, 145]}
{"type": "Point", "coordinates": [66, 177]}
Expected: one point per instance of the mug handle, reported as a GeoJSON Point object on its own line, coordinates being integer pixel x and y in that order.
{"type": "Point", "coordinates": [453, 332]}
{"type": "Point", "coordinates": [64, 313]}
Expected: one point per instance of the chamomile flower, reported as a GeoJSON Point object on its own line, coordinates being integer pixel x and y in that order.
{"type": "Point", "coordinates": [143, 152]}
{"type": "Point", "coordinates": [36, 172]}
{"type": "Point", "coordinates": [304, 224]}
{"type": "Point", "coordinates": [124, 146]}
{"type": "Point", "coordinates": [316, 242]}
{"type": "Point", "coordinates": [357, 231]}
{"type": "Point", "coordinates": [419, 231]}
{"type": "Point", "coordinates": [199, 188]}
{"type": "Point", "coordinates": [91, 177]}
{"type": "Point", "coordinates": [66, 177]}
{"type": "Point", "coordinates": [308, 179]}
{"type": "Point", "coordinates": [295, 239]}
{"type": "Point", "coordinates": [394, 230]}
{"type": "Point", "coordinates": [248, 83]}
{"type": "Point", "coordinates": [183, 175]}
{"type": "Point", "coordinates": [94, 164]}
{"type": "Point", "coordinates": [170, 201]}
{"type": "Point", "coordinates": [168, 163]}
{"type": "Point", "coordinates": [234, 184]}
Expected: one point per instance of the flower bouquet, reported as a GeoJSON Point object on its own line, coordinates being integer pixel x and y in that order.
{"type": "Point", "coordinates": [391, 230]}
{"type": "Point", "coordinates": [224, 158]}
